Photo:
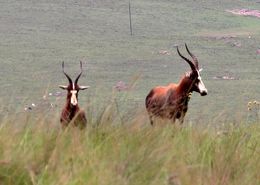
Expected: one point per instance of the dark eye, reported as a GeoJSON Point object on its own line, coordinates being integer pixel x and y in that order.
{"type": "Point", "coordinates": [193, 76]}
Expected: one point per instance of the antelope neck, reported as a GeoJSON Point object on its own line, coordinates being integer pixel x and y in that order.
{"type": "Point", "coordinates": [185, 85]}
{"type": "Point", "coordinates": [71, 110]}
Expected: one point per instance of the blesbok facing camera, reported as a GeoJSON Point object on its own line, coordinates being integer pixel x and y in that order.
{"type": "Point", "coordinates": [171, 102]}
{"type": "Point", "coordinates": [71, 112]}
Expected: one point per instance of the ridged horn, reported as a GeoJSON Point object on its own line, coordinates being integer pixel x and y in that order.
{"type": "Point", "coordinates": [76, 81]}
{"type": "Point", "coordinates": [70, 81]}
{"type": "Point", "coordinates": [195, 60]}
{"type": "Point", "coordinates": [187, 60]}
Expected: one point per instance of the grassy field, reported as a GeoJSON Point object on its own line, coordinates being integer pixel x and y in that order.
{"type": "Point", "coordinates": [118, 154]}
{"type": "Point", "coordinates": [219, 143]}
{"type": "Point", "coordinates": [37, 36]}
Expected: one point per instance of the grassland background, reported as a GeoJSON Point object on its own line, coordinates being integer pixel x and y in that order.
{"type": "Point", "coordinates": [36, 36]}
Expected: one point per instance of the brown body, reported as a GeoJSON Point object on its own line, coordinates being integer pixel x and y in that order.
{"type": "Point", "coordinates": [171, 102]}
{"type": "Point", "coordinates": [71, 113]}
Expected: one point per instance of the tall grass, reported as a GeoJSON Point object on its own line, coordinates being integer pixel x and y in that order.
{"type": "Point", "coordinates": [36, 151]}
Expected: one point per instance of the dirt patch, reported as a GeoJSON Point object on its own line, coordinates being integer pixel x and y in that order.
{"type": "Point", "coordinates": [228, 39]}
{"type": "Point", "coordinates": [164, 52]}
{"type": "Point", "coordinates": [121, 86]}
{"type": "Point", "coordinates": [225, 77]}
{"type": "Point", "coordinates": [245, 12]}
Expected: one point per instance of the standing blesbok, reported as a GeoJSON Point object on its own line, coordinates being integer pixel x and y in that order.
{"type": "Point", "coordinates": [171, 102]}
{"type": "Point", "coordinates": [71, 112]}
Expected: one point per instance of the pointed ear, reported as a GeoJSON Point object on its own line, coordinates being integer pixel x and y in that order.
{"type": "Point", "coordinates": [83, 87]}
{"type": "Point", "coordinates": [63, 87]}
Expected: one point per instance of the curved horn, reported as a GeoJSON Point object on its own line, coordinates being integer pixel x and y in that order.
{"type": "Point", "coordinates": [195, 60]}
{"type": "Point", "coordinates": [187, 60]}
{"type": "Point", "coordinates": [70, 81]}
{"type": "Point", "coordinates": [76, 81]}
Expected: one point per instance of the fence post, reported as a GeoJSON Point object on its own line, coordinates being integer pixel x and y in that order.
{"type": "Point", "coordinates": [130, 18]}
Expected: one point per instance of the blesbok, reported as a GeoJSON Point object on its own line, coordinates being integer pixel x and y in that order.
{"type": "Point", "coordinates": [171, 102]}
{"type": "Point", "coordinates": [71, 112]}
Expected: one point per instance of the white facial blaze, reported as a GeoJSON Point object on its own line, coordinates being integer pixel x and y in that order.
{"type": "Point", "coordinates": [201, 85]}
{"type": "Point", "coordinates": [73, 99]}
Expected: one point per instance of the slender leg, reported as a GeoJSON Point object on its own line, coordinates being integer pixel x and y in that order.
{"type": "Point", "coordinates": [181, 120]}
{"type": "Point", "coordinates": [151, 120]}
{"type": "Point", "coordinates": [173, 120]}
{"type": "Point", "coordinates": [64, 124]}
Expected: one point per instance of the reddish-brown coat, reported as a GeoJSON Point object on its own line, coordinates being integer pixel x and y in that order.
{"type": "Point", "coordinates": [72, 114]}
{"type": "Point", "coordinates": [171, 102]}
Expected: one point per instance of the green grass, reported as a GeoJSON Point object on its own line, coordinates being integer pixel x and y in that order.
{"type": "Point", "coordinates": [36, 37]}
{"type": "Point", "coordinates": [219, 143]}
{"type": "Point", "coordinates": [40, 153]}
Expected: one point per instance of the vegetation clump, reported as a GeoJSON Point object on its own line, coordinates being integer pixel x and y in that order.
{"type": "Point", "coordinates": [40, 153]}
